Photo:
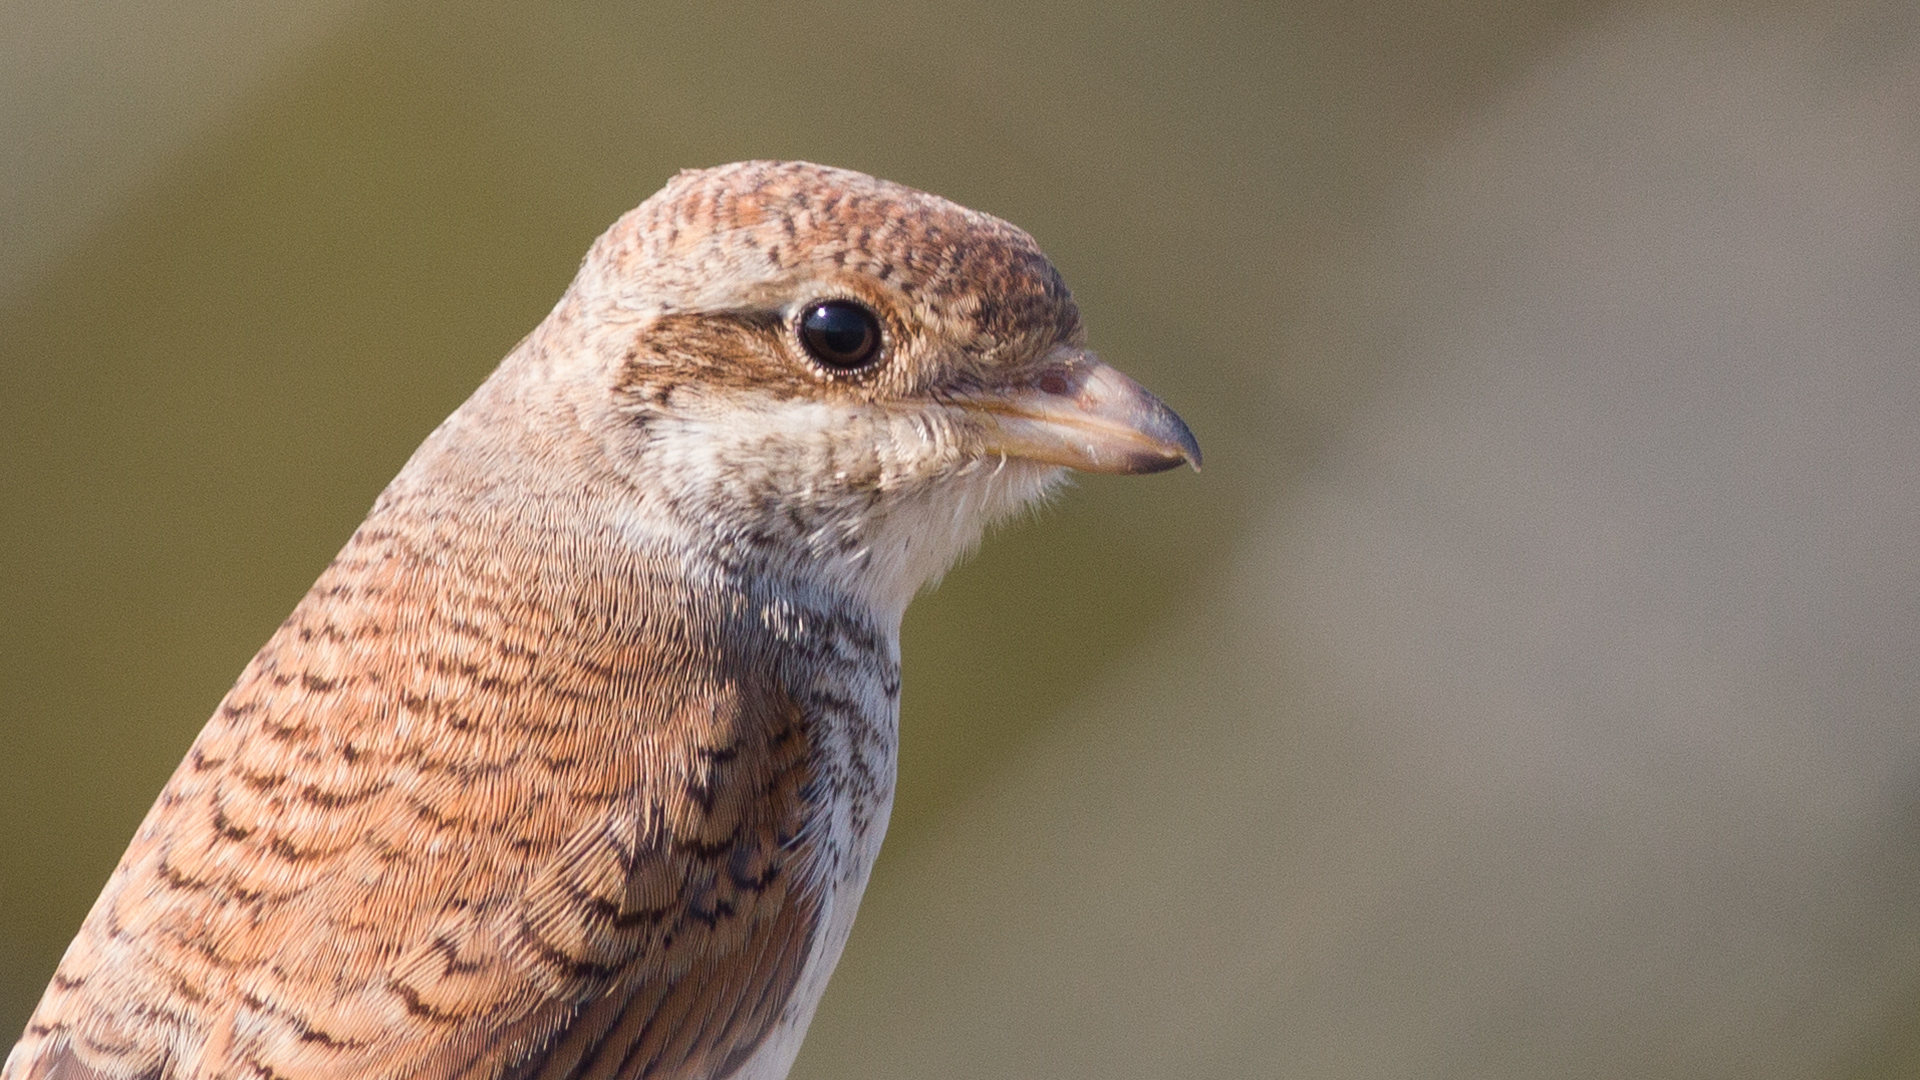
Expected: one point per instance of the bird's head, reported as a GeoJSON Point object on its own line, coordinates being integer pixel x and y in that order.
{"type": "Point", "coordinates": [812, 365]}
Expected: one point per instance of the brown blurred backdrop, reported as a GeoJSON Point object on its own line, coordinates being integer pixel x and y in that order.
{"type": "Point", "coordinates": [1528, 686]}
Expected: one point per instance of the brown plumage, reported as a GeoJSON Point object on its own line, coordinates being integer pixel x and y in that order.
{"type": "Point", "coordinates": [574, 762]}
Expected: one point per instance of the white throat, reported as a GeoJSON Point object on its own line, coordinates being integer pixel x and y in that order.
{"type": "Point", "coordinates": [871, 503]}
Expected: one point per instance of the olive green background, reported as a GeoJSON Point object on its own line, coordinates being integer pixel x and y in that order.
{"type": "Point", "coordinates": [1124, 756]}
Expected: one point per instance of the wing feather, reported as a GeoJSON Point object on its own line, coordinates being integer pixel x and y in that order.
{"type": "Point", "coordinates": [448, 825]}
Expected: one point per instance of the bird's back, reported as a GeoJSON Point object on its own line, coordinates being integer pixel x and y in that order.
{"type": "Point", "coordinates": [497, 799]}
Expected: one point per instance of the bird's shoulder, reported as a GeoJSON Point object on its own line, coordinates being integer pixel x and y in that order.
{"type": "Point", "coordinates": [449, 823]}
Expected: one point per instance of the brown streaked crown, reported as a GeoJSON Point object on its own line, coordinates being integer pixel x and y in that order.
{"type": "Point", "coordinates": [720, 258]}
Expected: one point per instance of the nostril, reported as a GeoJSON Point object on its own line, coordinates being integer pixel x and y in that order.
{"type": "Point", "coordinates": [1055, 383]}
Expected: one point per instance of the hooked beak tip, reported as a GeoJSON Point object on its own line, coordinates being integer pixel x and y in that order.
{"type": "Point", "coordinates": [1089, 416]}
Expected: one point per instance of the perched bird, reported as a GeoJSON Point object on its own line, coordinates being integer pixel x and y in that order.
{"type": "Point", "coordinates": [575, 761]}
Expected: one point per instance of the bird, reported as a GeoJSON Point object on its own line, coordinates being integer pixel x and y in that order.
{"type": "Point", "coordinates": [574, 762]}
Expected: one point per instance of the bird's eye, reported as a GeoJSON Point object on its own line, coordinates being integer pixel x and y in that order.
{"type": "Point", "coordinates": [840, 334]}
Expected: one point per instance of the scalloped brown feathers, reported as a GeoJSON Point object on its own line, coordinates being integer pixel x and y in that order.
{"type": "Point", "coordinates": [573, 763]}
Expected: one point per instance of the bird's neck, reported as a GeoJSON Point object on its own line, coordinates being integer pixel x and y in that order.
{"type": "Point", "coordinates": [530, 457]}
{"type": "Point", "coordinates": [560, 527]}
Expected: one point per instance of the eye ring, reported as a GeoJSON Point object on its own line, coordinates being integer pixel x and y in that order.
{"type": "Point", "coordinates": [840, 335]}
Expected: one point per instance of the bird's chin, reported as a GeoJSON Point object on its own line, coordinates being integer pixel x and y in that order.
{"type": "Point", "coordinates": [912, 542]}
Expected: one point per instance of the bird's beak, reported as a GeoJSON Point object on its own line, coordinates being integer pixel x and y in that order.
{"type": "Point", "coordinates": [1085, 415]}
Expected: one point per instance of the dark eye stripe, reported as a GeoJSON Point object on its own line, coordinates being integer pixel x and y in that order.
{"type": "Point", "coordinates": [840, 334]}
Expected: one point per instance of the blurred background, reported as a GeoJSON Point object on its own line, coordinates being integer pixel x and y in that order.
{"type": "Point", "coordinates": [1527, 688]}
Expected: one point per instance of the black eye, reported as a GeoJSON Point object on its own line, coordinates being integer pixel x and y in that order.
{"type": "Point", "coordinates": [840, 334]}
